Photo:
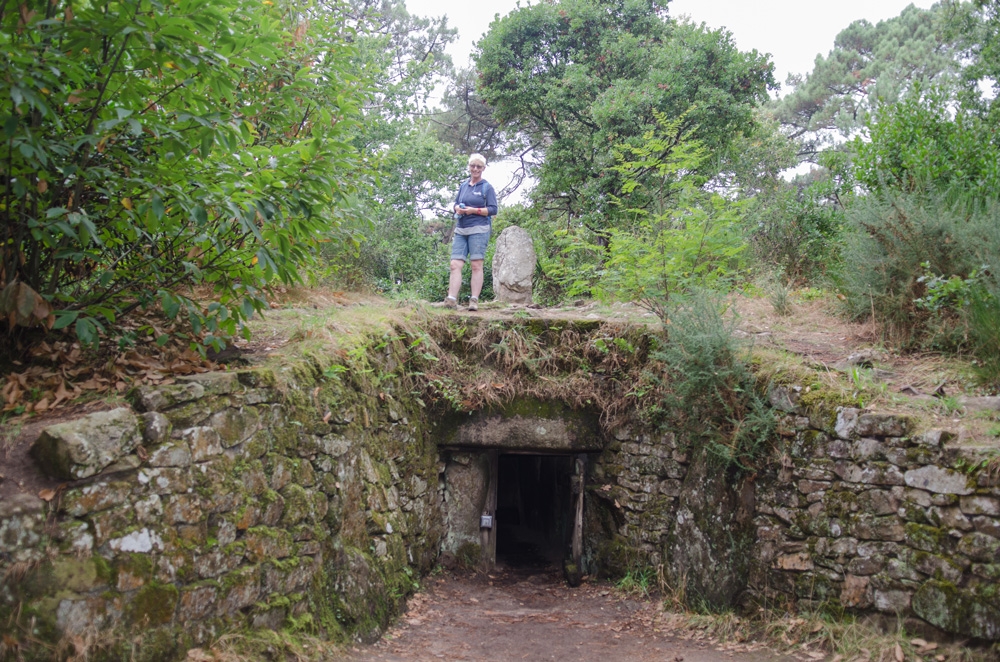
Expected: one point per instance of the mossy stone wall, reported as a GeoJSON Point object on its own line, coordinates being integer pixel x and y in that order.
{"type": "Point", "coordinates": [313, 507]}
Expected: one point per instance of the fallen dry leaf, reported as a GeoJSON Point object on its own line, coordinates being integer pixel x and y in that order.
{"type": "Point", "coordinates": [47, 495]}
{"type": "Point", "coordinates": [899, 653]}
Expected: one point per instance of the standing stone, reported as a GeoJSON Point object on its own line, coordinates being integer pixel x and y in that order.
{"type": "Point", "coordinates": [513, 266]}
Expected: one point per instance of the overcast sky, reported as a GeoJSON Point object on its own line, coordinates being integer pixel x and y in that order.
{"type": "Point", "coordinates": [792, 31]}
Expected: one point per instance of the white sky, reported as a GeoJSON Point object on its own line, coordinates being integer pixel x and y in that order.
{"type": "Point", "coordinates": [792, 31]}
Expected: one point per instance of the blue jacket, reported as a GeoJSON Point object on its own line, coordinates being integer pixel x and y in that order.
{"type": "Point", "coordinates": [476, 195]}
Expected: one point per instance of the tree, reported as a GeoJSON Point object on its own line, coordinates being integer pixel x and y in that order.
{"type": "Point", "coordinates": [154, 146]}
{"type": "Point", "coordinates": [468, 124]}
{"type": "Point", "coordinates": [924, 143]}
{"type": "Point", "coordinates": [869, 64]}
{"type": "Point", "coordinates": [687, 240]}
{"type": "Point", "coordinates": [413, 172]}
{"type": "Point", "coordinates": [415, 184]}
{"type": "Point", "coordinates": [580, 76]}
{"type": "Point", "coordinates": [975, 27]}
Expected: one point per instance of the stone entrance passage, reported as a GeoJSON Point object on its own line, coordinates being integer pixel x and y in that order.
{"type": "Point", "coordinates": [535, 509]}
{"type": "Point", "coordinates": [513, 485]}
{"type": "Point", "coordinates": [520, 509]}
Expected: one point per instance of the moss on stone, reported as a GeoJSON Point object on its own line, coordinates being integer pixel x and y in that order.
{"type": "Point", "coordinates": [137, 565]}
{"type": "Point", "coordinates": [926, 538]}
{"type": "Point", "coordinates": [952, 609]}
{"type": "Point", "coordinates": [814, 586]}
{"type": "Point", "coordinates": [840, 503]}
{"type": "Point", "coordinates": [298, 506]}
{"type": "Point", "coordinates": [257, 378]}
{"type": "Point", "coordinates": [824, 400]}
{"type": "Point", "coordinates": [153, 605]}
{"type": "Point", "coordinates": [468, 554]}
{"type": "Point", "coordinates": [157, 645]}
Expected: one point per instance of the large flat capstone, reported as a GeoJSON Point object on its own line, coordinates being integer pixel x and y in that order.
{"type": "Point", "coordinates": [541, 428]}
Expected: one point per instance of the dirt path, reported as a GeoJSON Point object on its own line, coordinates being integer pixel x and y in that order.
{"type": "Point", "coordinates": [534, 615]}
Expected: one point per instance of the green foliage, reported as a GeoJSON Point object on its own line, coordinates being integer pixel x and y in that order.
{"type": "Point", "coordinates": [868, 64]}
{"type": "Point", "coordinates": [983, 313]}
{"type": "Point", "coordinates": [950, 292]}
{"type": "Point", "coordinates": [695, 245]}
{"type": "Point", "coordinates": [579, 76]}
{"type": "Point", "coordinates": [924, 142]}
{"type": "Point", "coordinates": [779, 294]}
{"type": "Point", "coordinates": [918, 262]}
{"type": "Point", "coordinates": [681, 237]}
{"type": "Point", "coordinates": [976, 28]}
{"type": "Point", "coordinates": [404, 253]}
{"type": "Point", "coordinates": [712, 397]}
{"type": "Point", "coordinates": [638, 582]}
{"type": "Point", "coordinates": [466, 123]}
{"type": "Point", "coordinates": [414, 174]}
{"type": "Point", "coordinates": [795, 229]}
{"type": "Point", "coordinates": [150, 147]}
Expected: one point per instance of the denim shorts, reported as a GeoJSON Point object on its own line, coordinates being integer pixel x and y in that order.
{"type": "Point", "coordinates": [473, 245]}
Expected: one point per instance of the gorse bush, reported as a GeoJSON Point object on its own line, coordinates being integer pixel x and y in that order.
{"type": "Point", "coordinates": [917, 263]}
{"type": "Point", "coordinates": [984, 332]}
{"type": "Point", "coordinates": [712, 395]}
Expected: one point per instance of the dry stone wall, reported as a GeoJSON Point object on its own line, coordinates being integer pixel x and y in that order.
{"type": "Point", "coordinates": [220, 502]}
{"type": "Point", "coordinates": [858, 512]}
{"type": "Point", "coordinates": [865, 513]}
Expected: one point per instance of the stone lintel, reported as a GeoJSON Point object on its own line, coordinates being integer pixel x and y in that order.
{"type": "Point", "coordinates": [527, 433]}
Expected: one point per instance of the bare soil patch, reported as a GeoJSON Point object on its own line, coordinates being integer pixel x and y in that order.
{"type": "Point", "coordinates": [532, 614]}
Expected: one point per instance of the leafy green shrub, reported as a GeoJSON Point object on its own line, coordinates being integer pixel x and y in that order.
{"type": "Point", "coordinates": [924, 142]}
{"type": "Point", "coordinates": [984, 328]}
{"type": "Point", "coordinates": [917, 263]}
{"type": "Point", "coordinates": [680, 236]}
{"type": "Point", "coordinates": [795, 230]}
{"type": "Point", "coordinates": [150, 147]}
{"type": "Point", "coordinates": [713, 399]}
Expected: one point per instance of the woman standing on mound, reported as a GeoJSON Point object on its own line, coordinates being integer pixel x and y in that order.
{"type": "Point", "coordinates": [475, 206]}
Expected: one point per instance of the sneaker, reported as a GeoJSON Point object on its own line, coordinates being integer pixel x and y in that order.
{"type": "Point", "coordinates": [474, 304]}
{"type": "Point", "coordinates": [450, 302]}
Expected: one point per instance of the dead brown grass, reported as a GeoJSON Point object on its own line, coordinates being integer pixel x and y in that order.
{"type": "Point", "coordinates": [482, 364]}
{"type": "Point", "coordinates": [818, 637]}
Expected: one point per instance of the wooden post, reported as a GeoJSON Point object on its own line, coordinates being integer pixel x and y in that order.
{"type": "Point", "coordinates": [578, 519]}
{"type": "Point", "coordinates": [488, 536]}
{"type": "Point", "coordinates": [574, 569]}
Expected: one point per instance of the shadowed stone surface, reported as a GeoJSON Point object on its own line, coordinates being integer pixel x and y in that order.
{"type": "Point", "coordinates": [955, 610]}
{"type": "Point", "coordinates": [82, 448]}
{"type": "Point", "coordinates": [513, 265]}
{"type": "Point", "coordinates": [712, 535]}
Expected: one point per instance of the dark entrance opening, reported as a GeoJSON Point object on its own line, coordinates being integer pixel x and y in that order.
{"type": "Point", "coordinates": [535, 510]}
